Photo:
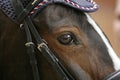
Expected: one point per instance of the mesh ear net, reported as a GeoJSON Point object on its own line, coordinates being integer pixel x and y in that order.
{"type": "Point", "coordinates": [26, 2]}
{"type": "Point", "coordinates": [83, 5]}
{"type": "Point", "coordinates": [7, 8]}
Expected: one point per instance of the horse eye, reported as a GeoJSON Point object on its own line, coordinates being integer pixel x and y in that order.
{"type": "Point", "coordinates": [66, 39]}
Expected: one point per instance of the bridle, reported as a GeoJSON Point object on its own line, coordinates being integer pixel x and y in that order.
{"type": "Point", "coordinates": [113, 76]}
{"type": "Point", "coordinates": [25, 19]}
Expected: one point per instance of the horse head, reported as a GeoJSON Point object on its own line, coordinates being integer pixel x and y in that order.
{"type": "Point", "coordinates": [72, 35]}
{"type": "Point", "coordinates": [76, 41]}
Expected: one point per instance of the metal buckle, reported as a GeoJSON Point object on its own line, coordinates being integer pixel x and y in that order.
{"type": "Point", "coordinates": [44, 43]}
{"type": "Point", "coordinates": [41, 45]}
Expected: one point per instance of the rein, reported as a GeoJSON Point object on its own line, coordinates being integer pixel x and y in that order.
{"type": "Point", "coordinates": [41, 45]}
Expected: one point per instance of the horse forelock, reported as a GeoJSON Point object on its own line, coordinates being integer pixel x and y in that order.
{"type": "Point", "coordinates": [112, 54]}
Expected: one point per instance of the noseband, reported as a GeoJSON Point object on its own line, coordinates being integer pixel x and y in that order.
{"type": "Point", "coordinates": [25, 19]}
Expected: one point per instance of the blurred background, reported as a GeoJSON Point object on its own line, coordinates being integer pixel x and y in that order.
{"type": "Point", "coordinates": [104, 17]}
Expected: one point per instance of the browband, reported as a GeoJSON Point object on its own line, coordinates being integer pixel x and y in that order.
{"type": "Point", "coordinates": [32, 7]}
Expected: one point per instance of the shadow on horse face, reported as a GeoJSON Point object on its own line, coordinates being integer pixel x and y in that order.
{"type": "Point", "coordinates": [69, 35]}
{"type": "Point", "coordinates": [74, 41]}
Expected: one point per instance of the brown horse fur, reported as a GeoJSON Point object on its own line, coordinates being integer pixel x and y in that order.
{"type": "Point", "coordinates": [87, 53]}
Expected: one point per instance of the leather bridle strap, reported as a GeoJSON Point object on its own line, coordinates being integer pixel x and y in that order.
{"type": "Point", "coordinates": [21, 11]}
{"type": "Point", "coordinates": [47, 53]}
{"type": "Point", "coordinates": [113, 76]}
{"type": "Point", "coordinates": [30, 45]}
{"type": "Point", "coordinates": [31, 53]}
{"type": "Point", "coordinates": [42, 47]}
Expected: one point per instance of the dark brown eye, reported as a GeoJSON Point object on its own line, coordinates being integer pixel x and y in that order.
{"type": "Point", "coordinates": [66, 39]}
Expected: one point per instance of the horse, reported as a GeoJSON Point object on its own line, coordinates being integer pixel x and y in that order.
{"type": "Point", "coordinates": [71, 34]}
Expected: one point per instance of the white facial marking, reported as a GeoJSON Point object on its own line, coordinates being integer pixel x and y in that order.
{"type": "Point", "coordinates": [113, 55]}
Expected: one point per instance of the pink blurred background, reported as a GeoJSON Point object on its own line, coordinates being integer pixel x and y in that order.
{"type": "Point", "coordinates": [104, 17]}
